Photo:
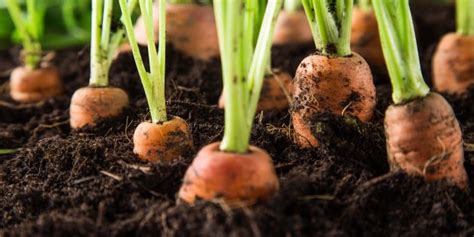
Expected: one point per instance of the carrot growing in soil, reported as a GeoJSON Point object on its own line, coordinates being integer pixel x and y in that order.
{"type": "Point", "coordinates": [275, 93]}
{"type": "Point", "coordinates": [165, 137]}
{"type": "Point", "coordinates": [191, 28]}
{"type": "Point", "coordinates": [233, 171]}
{"type": "Point", "coordinates": [292, 26]}
{"type": "Point", "coordinates": [334, 79]}
{"type": "Point", "coordinates": [423, 135]}
{"type": "Point", "coordinates": [34, 81]}
{"type": "Point", "coordinates": [453, 61]}
{"type": "Point", "coordinates": [365, 38]}
{"type": "Point", "coordinates": [99, 100]}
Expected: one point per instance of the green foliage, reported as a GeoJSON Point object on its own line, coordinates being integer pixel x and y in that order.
{"type": "Point", "coordinates": [330, 22]}
{"type": "Point", "coordinates": [397, 35]}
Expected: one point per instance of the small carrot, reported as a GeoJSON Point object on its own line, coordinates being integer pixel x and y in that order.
{"type": "Point", "coordinates": [232, 171]}
{"type": "Point", "coordinates": [292, 26]}
{"type": "Point", "coordinates": [32, 82]}
{"type": "Point", "coordinates": [99, 100]}
{"type": "Point", "coordinates": [334, 79]}
{"type": "Point", "coordinates": [163, 139]}
{"type": "Point", "coordinates": [423, 135]}
{"type": "Point", "coordinates": [365, 38]}
{"type": "Point", "coordinates": [241, 178]}
{"type": "Point", "coordinates": [453, 61]}
{"type": "Point", "coordinates": [191, 29]}
{"type": "Point", "coordinates": [275, 93]}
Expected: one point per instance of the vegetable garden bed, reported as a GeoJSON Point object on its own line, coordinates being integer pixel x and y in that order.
{"type": "Point", "coordinates": [63, 182]}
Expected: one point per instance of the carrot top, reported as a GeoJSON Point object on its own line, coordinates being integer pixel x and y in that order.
{"type": "Point", "coordinates": [245, 30]}
{"type": "Point", "coordinates": [465, 17]}
{"type": "Point", "coordinates": [153, 81]}
{"type": "Point", "coordinates": [30, 29]}
{"type": "Point", "coordinates": [330, 22]}
{"type": "Point", "coordinates": [400, 50]}
{"type": "Point", "coordinates": [104, 42]}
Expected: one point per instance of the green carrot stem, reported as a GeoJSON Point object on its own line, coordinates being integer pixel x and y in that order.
{"type": "Point", "coordinates": [330, 22]}
{"type": "Point", "coordinates": [154, 81]}
{"type": "Point", "coordinates": [292, 5]}
{"type": "Point", "coordinates": [465, 17]}
{"type": "Point", "coordinates": [364, 5]}
{"type": "Point", "coordinates": [29, 31]}
{"type": "Point", "coordinates": [400, 49]}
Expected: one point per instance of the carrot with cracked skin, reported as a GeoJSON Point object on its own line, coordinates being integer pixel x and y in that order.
{"type": "Point", "coordinates": [32, 82]}
{"type": "Point", "coordinates": [292, 26]}
{"type": "Point", "coordinates": [165, 138]}
{"type": "Point", "coordinates": [99, 100]}
{"type": "Point", "coordinates": [453, 61]}
{"type": "Point", "coordinates": [334, 79]}
{"type": "Point", "coordinates": [191, 28]}
{"type": "Point", "coordinates": [365, 38]}
{"type": "Point", "coordinates": [422, 132]}
{"type": "Point", "coordinates": [232, 171]}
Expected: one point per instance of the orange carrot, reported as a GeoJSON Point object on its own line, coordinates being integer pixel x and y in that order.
{"type": "Point", "coordinates": [165, 141]}
{"type": "Point", "coordinates": [422, 133]}
{"type": "Point", "coordinates": [453, 64]}
{"type": "Point", "coordinates": [292, 28]}
{"type": "Point", "coordinates": [338, 85]}
{"type": "Point", "coordinates": [275, 93]}
{"type": "Point", "coordinates": [333, 80]}
{"type": "Point", "coordinates": [34, 85]}
{"type": "Point", "coordinates": [91, 104]}
{"type": "Point", "coordinates": [239, 179]}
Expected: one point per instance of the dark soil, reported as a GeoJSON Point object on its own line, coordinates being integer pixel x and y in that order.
{"type": "Point", "coordinates": [88, 182]}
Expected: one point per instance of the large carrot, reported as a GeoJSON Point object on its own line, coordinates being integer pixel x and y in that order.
{"type": "Point", "coordinates": [365, 38]}
{"type": "Point", "coordinates": [232, 171]}
{"type": "Point", "coordinates": [164, 138]}
{"type": "Point", "coordinates": [292, 26]}
{"type": "Point", "coordinates": [423, 135]}
{"type": "Point", "coordinates": [32, 82]}
{"type": "Point", "coordinates": [191, 28]}
{"type": "Point", "coordinates": [99, 100]}
{"type": "Point", "coordinates": [453, 61]}
{"type": "Point", "coordinates": [334, 79]}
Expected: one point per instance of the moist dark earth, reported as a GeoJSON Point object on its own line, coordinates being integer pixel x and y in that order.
{"type": "Point", "coordinates": [89, 182]}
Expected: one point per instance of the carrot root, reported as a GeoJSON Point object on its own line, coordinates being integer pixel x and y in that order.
{"type": "Point", "coordinates": [237, 179]}
{"type": "Point", "coordinates": [91, 104]}
{"type": "Point", "coordinates": [424, 139]}
{"type": "Point", "coordinates": [34, 85]}
{"type": "Point", "coordinates": [162, 142]}
{"type": "Point", "coordinates": [340, 85]}
{"type": "Point", "coordinates": [292, 28]}
{"type": "Point", "coordinates": [453, 64]}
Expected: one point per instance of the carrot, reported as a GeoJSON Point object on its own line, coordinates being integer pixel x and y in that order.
{"type": "Point", "coordinates": [34, 85]}
{"type": "Point", "coordinates": [365, 38]}
{"type": "Point", "coordinates": [334, 80]}
{"type": "Point", "coordinates": [274, 95]}
{"type": "Point", "coordinates": [453, 61]}
{"type": "Point", "coordinates": [191, 29]}
{"type": "Point", "coordinates": [423, 135]}
{"type": "Point", "coordinates": [32, 82]}
{"type": "Point", "coordinates": [292, 26]}
{"type": "Point", "coordinates": [242, 179]}
{"type": "Point", "coordinates": [92, 104]}
{"type": "Point", "coordinates": [162, 139]}
{"type": "Point", "coordinates": [232, 171]}
{"type": "Point", "coordinates": [98, 100]}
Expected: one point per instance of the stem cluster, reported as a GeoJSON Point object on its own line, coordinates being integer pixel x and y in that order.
{"type": "Point", "coordinates": [153, 81]}
{"type": "Point", "coordinates": [330, 22]}
{"type": "Point", "coordinates": [400, 49]}
{"type": "Point", "coordinates": [245, 32]}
